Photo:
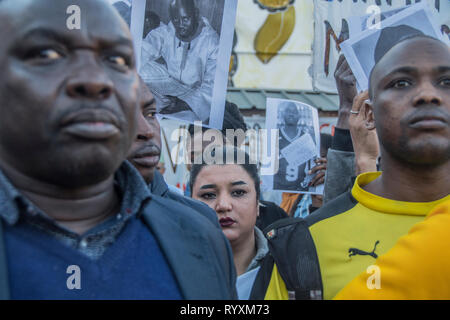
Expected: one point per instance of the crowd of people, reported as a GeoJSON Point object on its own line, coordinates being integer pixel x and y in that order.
{"type": "Point", "coordinates": [80, 146]}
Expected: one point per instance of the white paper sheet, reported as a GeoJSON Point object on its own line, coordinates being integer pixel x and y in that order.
{"type": "Point", "coordinates": [297, 146]}
{"type": "Point", "coordinates": [359, 49]}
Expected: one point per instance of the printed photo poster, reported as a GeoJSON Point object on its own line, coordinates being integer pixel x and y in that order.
{"type": "Point", "coordinates": [366, 48]}
{"type": "Point", "coordinates": [358, 24]}
{"type": "Point", "coordinates": [297, 127]}
{"type": "Point", "coordinates": [338, 20]}
{"type": "Point", "coordinates": [185, 48]}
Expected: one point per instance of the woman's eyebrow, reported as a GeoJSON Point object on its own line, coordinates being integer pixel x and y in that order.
{"type": "Point", "coordinates": [238, 183]}
{"type": "Point", "coordinates": [442, 69]}
{"type": "Point", "coordinates": [208, 186]}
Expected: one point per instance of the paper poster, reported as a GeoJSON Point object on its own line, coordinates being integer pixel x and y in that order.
{"type": "Point", "coordinates": [293, 156]}
{"type": "Point", "coordinates": [298, 145]}
{"type": "Point", "coordinates": [366, 48]}
{"type": "Point", "coordinates": [334, 22]}
{"type": "Point", "coordinates": [185, 55]}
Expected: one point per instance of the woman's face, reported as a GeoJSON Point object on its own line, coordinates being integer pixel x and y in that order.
{"type": "Point", "coordinates": [230, 191]}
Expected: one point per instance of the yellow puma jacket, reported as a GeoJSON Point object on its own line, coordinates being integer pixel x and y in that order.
{"type": "Point", "coordinates": [352, 231]}
{"type": "Point", "coordinates": [417, 267]}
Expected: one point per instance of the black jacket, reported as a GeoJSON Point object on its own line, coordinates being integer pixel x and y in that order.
{"type": "Point", "coordinates": [269, 212]}
{"type": "Point", "coordinates": [159, 187]}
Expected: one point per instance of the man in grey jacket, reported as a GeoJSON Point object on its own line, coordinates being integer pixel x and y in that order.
{"type": "Point", "coordinates": [68, 100]}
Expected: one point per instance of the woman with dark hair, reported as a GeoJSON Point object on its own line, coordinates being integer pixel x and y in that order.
{"type": "Point", "coordinates": [232, 119]}
{"type": "Point", "coordinates": [232, 189]}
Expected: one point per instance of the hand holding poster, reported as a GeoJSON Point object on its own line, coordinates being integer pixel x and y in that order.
{"type": "Point", "coordinates": [298, 146]}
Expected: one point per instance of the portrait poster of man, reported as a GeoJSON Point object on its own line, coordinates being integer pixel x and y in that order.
{"type": "Point", "coordinates": [185, 56]}
{"type": "Point", "coordinates": [297, 125]}
{"type": "Point", "coordinates": [363, 50]}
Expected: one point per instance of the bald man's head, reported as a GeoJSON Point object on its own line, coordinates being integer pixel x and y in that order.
{"type": "Point", "coordinates": [68, 98]}
{"type": "Point", "coordinates": [185, 18]}
{"type": "Point", "coordinates": [410, 101]}
{"type": "Point", "coordinates": [383, 50]}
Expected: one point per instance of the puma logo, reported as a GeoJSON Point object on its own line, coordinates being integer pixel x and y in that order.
{"type": "Point", "coordinates": [354, 251]}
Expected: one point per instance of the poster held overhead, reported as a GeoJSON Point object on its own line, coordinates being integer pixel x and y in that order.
{"type": "Point", "coordinates": [366, 48]}
{"type": "Point", "coordinates": [358, 24]}
{"type": "Point", "coordinates": [337, 20]}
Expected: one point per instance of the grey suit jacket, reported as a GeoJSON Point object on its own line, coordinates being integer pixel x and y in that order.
{"type": "Point", "coordinates": [197, 251]}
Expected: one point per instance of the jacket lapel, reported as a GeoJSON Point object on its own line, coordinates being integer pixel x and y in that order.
{"type": "Point", "coordinates": [4, 280]}
{"type": "Point", "coordinates": [158, 185]}
{"type": "Point", "coordinates": [186, 251]}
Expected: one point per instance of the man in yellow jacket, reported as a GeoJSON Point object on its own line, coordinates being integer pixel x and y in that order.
{"type": "Point", "coordinates": [417, 267]}
{"type": "Point", "coordinates": [410, 109]}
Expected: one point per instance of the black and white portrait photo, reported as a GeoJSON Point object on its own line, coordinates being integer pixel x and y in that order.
{"type": "Point", "coordinates": [298, 144]}
{"type": "Point", "coordinates": [365, 49]}
{"type": "Point", "coordinates": [185, 54]}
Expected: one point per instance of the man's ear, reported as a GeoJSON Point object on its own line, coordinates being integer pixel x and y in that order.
{"type": "Point", "coordinates": [369, 117]}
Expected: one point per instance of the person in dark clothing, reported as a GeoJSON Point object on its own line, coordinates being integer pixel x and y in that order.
{"type": "Point", "coordinates": [68, 198]}
{"type": "Point", "coordinates": [145, 154]}
{"type": "Point", "coordinates": [146, 148]}
{"type": "Point", "coordinates": [288, 176]}
{"type": "Point", "coordinates": [269, 212]}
